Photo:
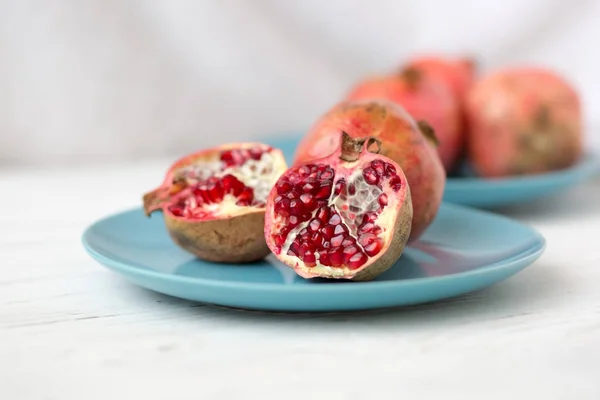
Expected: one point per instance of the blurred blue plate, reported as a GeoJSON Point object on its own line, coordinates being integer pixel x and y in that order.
{"type": "Point", "coordinates": [462, 251]}
{"type": "Point", "coordinates": [469, 190]}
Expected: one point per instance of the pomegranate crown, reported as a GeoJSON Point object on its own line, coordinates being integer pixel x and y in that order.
{"type": "Point", "coordinates": [352, 148]}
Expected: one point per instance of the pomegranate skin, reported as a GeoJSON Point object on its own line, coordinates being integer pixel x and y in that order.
{"type": "Point", "coordinates": [457, 73]}
{"type": "Point", "coordinates": [401, 140]}
{"type": "Point", "coordinates": [523, 120]}
{"type": "Point", "coordinates": [424, 99]}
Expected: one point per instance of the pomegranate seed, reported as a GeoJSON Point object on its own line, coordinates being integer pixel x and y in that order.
{"type": "Point", "coordinates": [303, 233]}
{"type": "Point", "coordinates": [336, 241]}
{"type": "Point", "coordinates": [295, 247]}
{"type": "Point", "coordinates": [348, 242]}
{"type": "Point", "coordinates": [256, 153]}
{"type": "Point", "coordinates": [292, 195]}
{"type": "Point", "coordinates": [291, 253]}
{"type": "Point", "coordinates": [370, 176]}
{"type": "Point", "coordinates": [377, 231]}
{"type": "Point", "coordinates": [357, 261]}
{"type": "Point", "coordinates": [279, 240]}
{"type": "Point", "coordinates": [390, 170]}
{"type": "Point", "coordinates": [323, 214]}
{"type": "Point", "coordinates": [352, 189]}
{"type": "Point", "coordinates": [307, 200]}
{"type": "Point", "coordinates": [366, 227]}
{"type": "Point", "coordinates": [294, 220]}
{"type": "Point", "coordinates": [324, 258]}
{"type": "Point", "coordinates": [328, 231]}
{"type": "Point", "coordinates": [383, 200]}
{"type": "Point", "coordinates": [314, 225]}
{"type": "Point", "coordinates": [335, 219]}
{"type": "Point", "coordinates": [369, 217]}
{"type": "Point", "coordinates": [295, 207]}
{"type": "Point", "coordinates": [316, 239]}
{"type": "Point", "coordinates": [336, 257]}
{"type": "Point", "coordinates": [395, 183]}
{"type": "Point", "coordinates": [304, 170]}
{"type": "Point", "coordinates": [215, 192]}
{"type": "Point", "coordinates": [176, 210]}
{"type": "Point", "coordinates": [340, 187]}
{"type": "Point", "coordinates": [349, 252]}
{"type": "Point", "coordinates": [308, 187]}
{"type": "Point", "coordinates": [326, 245]}
{"type": "Point", "coordinates": [366, 238]}
{"type": "Point", "coordinates": [233, 185]}
{"type": "Point", "coordinates": [309, 258]}
{"type": "Point", "coordinates": [373, 248]}
{"type": "Point", "coordinates": [294, 178]}
{"type": "Point", "coordinates": [227, 157]}
{"type": "Point", "coordinates": [283, 187]}
{"type": "Point", "coordinates": [243, 203]}
{"type": "Point", "coordinates": [379, 167]}
{"type": "Point", "coordinates": [247, 194]}
{"type": "Point", "coordinates": [282, 207]}
{"type": "Point", "coordinates": [339, 229]}
{"type": "Point", "coordinates": [327, 174]}
{"type": "Point", "coordinates": [323, 191]}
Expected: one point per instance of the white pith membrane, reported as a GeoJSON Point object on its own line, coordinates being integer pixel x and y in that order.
{"type": "Point", "coordinates": [260, 175]}
{"type": "Point", "coordinates": [364, 200]}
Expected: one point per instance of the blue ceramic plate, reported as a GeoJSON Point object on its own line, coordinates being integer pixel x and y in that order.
{"type": "Point", "coordinates": [470, 190]}
{"type": "Point", "coordinates": [462, 251]}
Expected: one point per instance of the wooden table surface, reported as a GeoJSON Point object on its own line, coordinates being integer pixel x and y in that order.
{"type": "Point", "coordinates": [70, 329]}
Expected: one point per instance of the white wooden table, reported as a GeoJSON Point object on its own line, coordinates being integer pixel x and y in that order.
{"type": "Point", "coordinates": [70, 329]}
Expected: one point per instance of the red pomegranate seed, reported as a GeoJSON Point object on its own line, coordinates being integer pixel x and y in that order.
{"type": "Point", "coordinates": [309, 258]}
{"type": "Point", "coordinates": [366, 238]}
{"type": "Point", "coordinates": [370, 176]}
{"type": "Point", "coordinates": [377, 231]}
{"type": "Point", "coordinates": [292, 195]}
{"type": "Point", "coordinates": [279, 240]}
{"type": "Point", "coordinates": [227, 157]}
{"type": "Point", "coordinates": [352, 189]}
{"type": "Point", "coordinates": [323, 214]}
{"type": "Point", "coordinates": [324, 258]}
{"type": "Point", "coordinates": [366, 227]}
{"type": "Point", "coordinates": [327, 231]}
{"type": "Point", "coordinates": [303, 233]}
{"type": "Point", "coordinates": [339, 229]}
{"type": "Point", "coordinates": [369, 216]}
{"type": "Point", "coordinates": [308, 187]}
{"type": "Point", "coordinates": [349, 252]}
{"type": "Point", "coordinates": [282, 207]}
{"type": "Point", "coordinates": [373, 248]}
{"type": "Point", "coordinates": [323, 191]}
{"type": "Point", "coordinates": [283, 187]}
{"type": "Point", "coordinates": [357, 261]}
{"type": "Point", "coordinates": [379, 167]}
{"type": "Point", "coordinates": [326, 245]}
{"type": "Point", "coordinates": [395, 183]}
{"type": "Point", "coordinates": [390, 170]}
{"type": "Point", "coordinates": [349, 241]}
{"type": "Point", "coordinates": [294, 178]}
{"type": "Point", "coordinates": [383, 200]}
{"type": "Point", "coordinates": [314, 225]}
{"type": "Point", "coordinates": [176, 210]}
{"type": "Point", "coordinates": [316, 240]}
{"type": "Point", "coordinates": [340, 187]}
{"type": "Point", "coordinates": [308, 200]}
{"type": "Point", "coordinates": [295, 207]}
{"type": "Point", "coordinates": [215, 191]}
{"type": "Point", "coordinates": [327, 174]}
{"type": "Point", "coordinates": [336, 241]}
{"type": "Point", "coordinates": [304, 170]}
{"type": "Point", "coordinates": [294, 220]}
{"type": "Point", "coordinates": [336, 257]}
{"type": "Point", "coordinates": [256, 153]}
{"type": "Point", "coordinates": [335, 219]}
{"type": "Point", "coordinates": [295, 247]}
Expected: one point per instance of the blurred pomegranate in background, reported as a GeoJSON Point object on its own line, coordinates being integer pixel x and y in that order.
{"type": "Point", "coordinates": [425, 99]}
{"type": "Point", "coordinates": [457, 73]}
{"type": "Point", "coordinates": [523, 120]}
{"type": "Point", "coordinates": [408, 143]}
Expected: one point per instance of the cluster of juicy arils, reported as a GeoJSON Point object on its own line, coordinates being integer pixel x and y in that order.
{"type": "Point", "coordinates": [346, 216]}
{"type": "Point", "coordinates": [213, 201]}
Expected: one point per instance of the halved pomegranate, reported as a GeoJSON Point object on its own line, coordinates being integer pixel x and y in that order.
{"type": "Point", "coordinates": [213, 201]}
{"type": "Point", "coordinates": [345, 216]}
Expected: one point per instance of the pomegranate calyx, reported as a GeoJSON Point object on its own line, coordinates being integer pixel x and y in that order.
{"type": "Point", "coordinates": [412, 76]}
{"type": "Point", "coordinates": [352, 148]}
{"type": "Point", "coordinates": [428, 131]}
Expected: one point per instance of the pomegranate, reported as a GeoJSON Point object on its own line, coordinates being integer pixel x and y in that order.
{"type": "Point", "coordinates": [213, 201]}
{"type": "Point", "coordinates": [423, 98]}
{"type": "Point", "coordinates": [408, 143]}
{"type": "Point", "coordinates": [524, 120]}
{"type": "Point", "coordinates": [345, 216]}
{"type": "Point", "coordinates": [456, 73]}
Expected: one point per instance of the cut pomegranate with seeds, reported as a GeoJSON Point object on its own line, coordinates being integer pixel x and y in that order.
{"type": "Point", "coordinates": [213, 201]}
{"type": "Point", "coordinates": [336, 227]}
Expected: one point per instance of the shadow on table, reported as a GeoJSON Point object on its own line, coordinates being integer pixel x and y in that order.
{"type": "Point", "coordinates": [514, 297]}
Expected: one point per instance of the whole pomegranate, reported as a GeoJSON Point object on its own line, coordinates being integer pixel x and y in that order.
{"type": "Point", "coordinates": [345, 216]}
{"type": "Point", "coordinates": [213, 201]}
{"type": "Point", "coordinates": [523, 120]}
{"type": "Point", "coordinates": [409, 144]}
{"type": "Point", "coordinates": [423, 98]}
{"type": "Point", "coordinates": [456, 73]}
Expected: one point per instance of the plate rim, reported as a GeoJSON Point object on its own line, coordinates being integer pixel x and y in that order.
{"type": "Point", "coordinates": [527, 257]}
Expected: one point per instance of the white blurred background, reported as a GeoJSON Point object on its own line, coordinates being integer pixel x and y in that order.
{"type": "Point", "coordinates": [92, 80]}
